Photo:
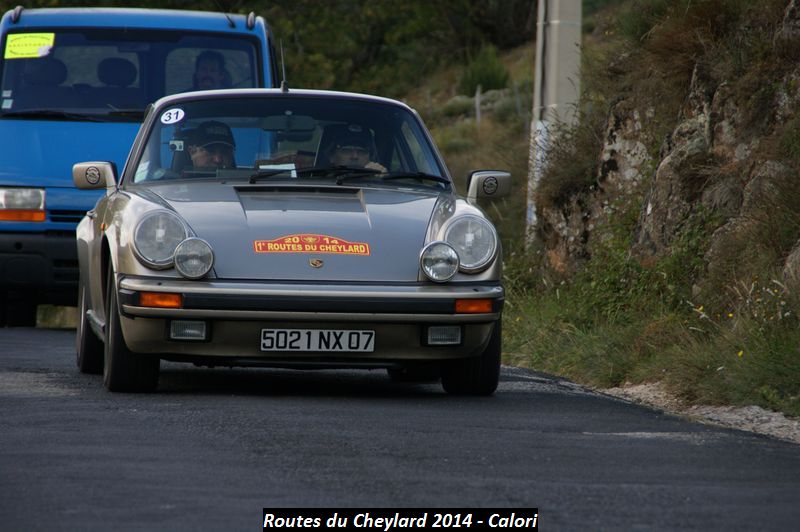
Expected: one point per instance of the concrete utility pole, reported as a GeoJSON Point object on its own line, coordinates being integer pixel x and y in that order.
{"type": "Point", "coordinates": [556, 84]}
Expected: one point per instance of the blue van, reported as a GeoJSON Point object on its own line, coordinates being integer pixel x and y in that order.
{"type": "Point", "coordinates": [75, 84]}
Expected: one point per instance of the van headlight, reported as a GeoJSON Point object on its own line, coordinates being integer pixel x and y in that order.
{"type": "Point", "coordinates": [155, 238]}
{"type": "Point", "coordinates": [439, 261]}
{"type": "Point", "coordinates": [193, 258]}
{"type": "Point", "coordinates": [22, 198]}
{"type": "Point", "coordinates": [475, 240]}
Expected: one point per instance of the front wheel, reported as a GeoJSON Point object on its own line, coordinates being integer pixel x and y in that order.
{"type": "Point", "coordinates": [89, 348]}
{"type": "Point", "coordinates": [124, 370]}
{"type": "Point", "coordinates": [476, 375]}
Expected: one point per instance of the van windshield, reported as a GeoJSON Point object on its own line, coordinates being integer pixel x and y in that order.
{"type": "Point", "coordinates": [112, 74]}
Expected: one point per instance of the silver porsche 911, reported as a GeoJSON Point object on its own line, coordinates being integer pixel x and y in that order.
{"type": "Point", "coordinates": [297, 229]}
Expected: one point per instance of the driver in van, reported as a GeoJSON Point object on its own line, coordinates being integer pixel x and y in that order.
{"type": "Point", "coordinates": [210, 72]}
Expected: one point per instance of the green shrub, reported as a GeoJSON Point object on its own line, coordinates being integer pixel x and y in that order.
{"type": "Point", "coordinates": [485, 70]}
{"type": "Point", "coordinates": [639, 17]}
{"type": "Point", "coordinates": [459, 105]}
{"type": "Point", "coordinates": [572, 161]}
{"type": "Point", "coordinates": [789, 141]}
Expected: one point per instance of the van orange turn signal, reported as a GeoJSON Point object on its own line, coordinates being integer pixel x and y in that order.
{"type": "Point", "coordinates": [160, 300]}
{"type": "Point", "coordinates": [21, 215]}
{"type": "Point", "coordinates": [473, 306]}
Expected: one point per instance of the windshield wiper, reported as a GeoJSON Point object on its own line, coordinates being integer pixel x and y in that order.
{"type": "Point", "coordinates": [49, 113]}
{"type": "Point", "coordinates": [316, 171]}
{"type": "Point", "coordinates": [127, 113]}
{"type": "Point", "coordinates": [265, 174]}
{"type": "Point", "coordinates": [336, 171]}
{"type": "Point", "coordinates": [415, 175]}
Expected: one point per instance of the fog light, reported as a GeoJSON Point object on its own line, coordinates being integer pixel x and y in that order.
{"type": "Point", "coordinates": [439, 261]}
{"type": "Point", "coordinates": [187, 330]}
{"type": "Point", "coordinates": [444, 335]}
{"type": "Point", "coordinates": [193, 258]}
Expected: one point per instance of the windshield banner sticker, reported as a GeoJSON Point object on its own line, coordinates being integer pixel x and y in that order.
{"type": "Point", "coordinates": [311, 244]}
{"type": "Point", "coordinates": [29, 45]}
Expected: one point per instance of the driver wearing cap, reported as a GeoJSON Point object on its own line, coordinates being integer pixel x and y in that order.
{"type": "Point", "coordinates": [353, 150]}
{"type": "Point", "coordinates": [211, 145]}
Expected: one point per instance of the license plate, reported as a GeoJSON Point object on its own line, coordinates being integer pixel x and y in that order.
{"type": "Point", "coordinates": [325, 340]}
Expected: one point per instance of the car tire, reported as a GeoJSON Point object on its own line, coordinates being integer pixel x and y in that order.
{"type": "Point", "coordinates": [124, 370]}
{"type": "Point", "coordinates": [89, 348]}
{"type": "Point", "coordinates": [476, 375]}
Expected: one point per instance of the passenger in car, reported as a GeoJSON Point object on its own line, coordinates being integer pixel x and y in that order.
{"type": "Point", "coordinates": [211, 146]}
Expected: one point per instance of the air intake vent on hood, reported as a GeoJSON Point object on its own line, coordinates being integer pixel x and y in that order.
{"type": "Point", "coordinates": [299, 189]}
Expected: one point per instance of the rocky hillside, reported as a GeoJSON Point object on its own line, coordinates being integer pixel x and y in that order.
{"type": "Point", "coordinates": [672, 210]}
{"type": "Point", "coordinates": [713, 160]}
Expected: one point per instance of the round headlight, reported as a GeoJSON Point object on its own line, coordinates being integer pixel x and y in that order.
{"type": "Point", "coordinates": [475, 240]}
{"type": "Point", "coordinates": [193, 258]}
{"type": "Point", "coordinates": [156, 237]}
{"type": "Point", "coordinates": [439, 261]}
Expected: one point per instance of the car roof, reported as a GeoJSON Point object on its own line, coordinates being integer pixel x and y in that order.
{"type": "Point", "coordinates": [303, 93]}
{"type": "Point", "coordinates": [125, 18]}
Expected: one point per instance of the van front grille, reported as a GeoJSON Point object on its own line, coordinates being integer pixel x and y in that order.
{"type": "Point", "coordinates": [67, 216]}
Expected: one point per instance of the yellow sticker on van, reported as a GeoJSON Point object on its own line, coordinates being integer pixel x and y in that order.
{"type": "Point", "coordinates": [29, 45]}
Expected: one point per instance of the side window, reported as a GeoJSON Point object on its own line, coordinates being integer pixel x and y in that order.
{"type": "Point", "coordinates": [236, 71]}
{"type": "Point", "coordinates": [146, 166]}
{"type": "Point", "coordinates": [422, 158]}
{"type": "Point", "coordinates": [397, 163]}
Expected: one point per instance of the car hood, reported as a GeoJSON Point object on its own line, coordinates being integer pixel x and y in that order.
{"type": "Point", "coordinates": [307, 233]}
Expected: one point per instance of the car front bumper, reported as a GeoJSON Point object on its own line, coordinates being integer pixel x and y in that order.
{"type": "Point", "coordinates": [236, 312]}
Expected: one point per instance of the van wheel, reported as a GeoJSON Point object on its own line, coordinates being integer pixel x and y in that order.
{"type": "Point", "coordinates": [89, 348]}
{"type": "Point", "coordinates": [124, 370]}
{"type": "Point", "coordinates": [476, 375]}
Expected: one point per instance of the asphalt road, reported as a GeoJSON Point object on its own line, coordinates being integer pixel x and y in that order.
{"type": "Point", "coordinates": [213, 447]}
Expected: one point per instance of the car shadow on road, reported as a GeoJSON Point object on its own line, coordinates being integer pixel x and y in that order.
{"type": "Point", "coordinates": [284, 382]}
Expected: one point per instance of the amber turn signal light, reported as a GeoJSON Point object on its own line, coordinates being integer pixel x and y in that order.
{"type": "Point", "coordinates": [21, 215]}
{"type": "Point", "coordinates": [160, 300]}
{"type": "Point", "coordinates": [473, 306]}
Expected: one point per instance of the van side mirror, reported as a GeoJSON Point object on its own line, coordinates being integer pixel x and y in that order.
{"type": "Point", "coordinates": [94, 175]}
{"type": "Point", "coordinates": [488, 184]}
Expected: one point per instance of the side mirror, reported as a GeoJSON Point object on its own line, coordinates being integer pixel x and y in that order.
{"type": "Point", "coordinates": [94, 175]}
{"type": "Point", "coordinates": [488, 184]}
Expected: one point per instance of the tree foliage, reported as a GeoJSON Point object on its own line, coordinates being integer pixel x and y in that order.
{"type": "Point", "coordinates": [379, 46]}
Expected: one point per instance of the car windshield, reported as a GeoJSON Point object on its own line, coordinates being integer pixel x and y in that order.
{"type": "Point", "coordinates": [281, 137]}
{"type": "Point", "coordinates": [111, 74]}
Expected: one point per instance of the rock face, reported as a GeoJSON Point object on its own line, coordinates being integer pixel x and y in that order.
{"type": "Point", "coordinates": [712, 162]}
{"type": "Point", "coordinates": [676, 185]}
{"type": "Point", "coordinates": [569, 231]}
{"type": "Point", "coordinates": [791, 270]}
{"type": "Point", "coordinates": [790, 28]}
